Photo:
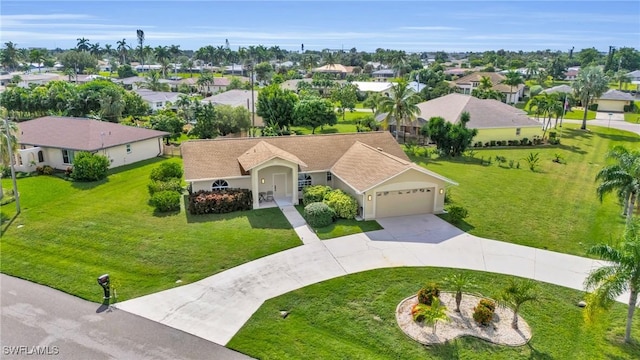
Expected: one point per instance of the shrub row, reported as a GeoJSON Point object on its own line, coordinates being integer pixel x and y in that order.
{"type": "Point", "coordinates": [315, 193]}
{"type": "Point", "coordinates": [344, 205]}
{"type": "Point", "coordinates": [319, 214]}
{"type": "Point", "coordinates": [220, 201]}
{"type": "Point", "coordinates": [166, 200]}
{"type": "Point", "coordinates": [165, 187]}
{"type": "Point", "coordinates": [156, 186]}
{"type": "Point", "coordinates": [44, 170]}
{"type": "Point", "coordinates": [517, 142]}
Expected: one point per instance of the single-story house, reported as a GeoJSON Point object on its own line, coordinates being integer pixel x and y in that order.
{"type": "Point", "coordinates": [219, 84]}
{"type": "Point", "coordinates": [468, 83]}
{"type": "Point", "coordinates": [565, 89]}
{"type": "Point", "coordinates": [383, 74]}
{"type": "Point", "coordinates": [236, 69]}
{"type": "Point", "coordinates": [237, 98]}
{"type": "Point", "coordinates": [494, 119]}
{"type": "Point", "coordinates": [337, 69]}
{"type": "Point", "coordinates": [157, 99]}
{"type": "Point", "coordinates": [634, 76]}
{"type": "Point", "coordinates": [614, 101]}
{"type": "Point", "coordinates": [373, 87]}
{"type": "Point", "coordinates": [53, 141]}
{"type": "Point", "coordinates": [372, 167]}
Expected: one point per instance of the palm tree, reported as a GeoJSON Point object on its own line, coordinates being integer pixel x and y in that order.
{"type": "Point", "coordinates": [95, 50]}
{"type": "Point", "coordinates": [153, 82]}
{"type": "Point", "coordinates": [533, 67]}
{"type": "Point", "coordinates": [107, 50]}
{"type": "Point", "coordinates": [140, 36]}
{"type": "Point", "coordinates": [329, 58]}
{"type": "Point", "coordinates": [37, 56]}
{"type": "Point", "coordinates": [516, 294]}
{"type": "Point", "coordinates": [621, 78]}
{"type": "Point", "coordinates": [162, 55]}
{"type": "Point", "coordinates": [122, 50]}
{"type": "Point", "coordinates": [434, 313]}
{"type": "Point", "coordinates": [111, 105]}
{"type": "Point", "coordinates": [83, 44]}
{"type": "Point", "coordinates": [459, 282]}
{"type": "Point", "coordinates": [206, 79]}
{"type": "Point", "coordinates": [10, 56]}
{"type": "Point", "coordinates": [401, 105]}
{"type": "Point", "coordinates": [622, 177]}
{"type": "Point", "coordinates": [5, 142]}
{"type": "Point", "coordinates": [622, 273]}
{"type": "Point", "coordinates": [485, 83]}
{"type": "Point", "coordinates": [513, 78]}
{"type": "Point", "coordinates": [590, 83]}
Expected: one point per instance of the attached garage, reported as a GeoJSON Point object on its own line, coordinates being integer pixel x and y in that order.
{"type": "Point", "coordinates": [404, 202]}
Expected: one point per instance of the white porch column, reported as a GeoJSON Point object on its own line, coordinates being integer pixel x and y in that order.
{"type": "Point", "coordinates": [294, 189]}
{"type": "Point", "coordinates": [255, 189]}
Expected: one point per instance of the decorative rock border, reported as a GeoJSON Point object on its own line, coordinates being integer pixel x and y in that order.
{"type": "Point", "coordinates": [462, 323]}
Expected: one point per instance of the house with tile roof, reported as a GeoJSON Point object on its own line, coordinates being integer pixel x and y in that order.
{"type": "Point", "coordinates": [468, 83]}
{"type": "Point", "coordinates": [494, 119]}
{"type": "Point", "coordinates": [54, 140]}
{"type": "Point", "coordinates": [158, 99]}
{"type": "Point", "coordinates": [372, 167]}
{"type": "Point", "coordinates": [614, 101]}
{"type": "Point", "coordinates": [237, 98]}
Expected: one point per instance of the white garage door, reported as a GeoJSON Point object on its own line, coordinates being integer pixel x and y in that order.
{"type": "Point", "coordinates": [404, 202]}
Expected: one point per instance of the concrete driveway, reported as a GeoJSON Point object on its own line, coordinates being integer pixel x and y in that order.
{"type": "Point", "coordinates": [217, 307]}
{"type": "Point", "coordinates": [605, 116]}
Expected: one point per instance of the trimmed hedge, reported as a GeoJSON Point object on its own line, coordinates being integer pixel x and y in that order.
{"type": "Point", "coordinates": [319, 214]}
{"type": "Point", "coordinates": [89, 167]}
{"type": "Point", "coordinates": [166, 171]}
{"type": "Point", "coordinates": [170, 184]}
{"type": "Point", "coordinates": [344, 205]}
{"type": "Point", "coordinates": [220, 201]}
{"type": "Point", "coordinates": [483, 312]}
{"type": "Point", "coordinates": [427, 293]}
{"type": "Point", "coordinates": [166, 200]}
{"type": "Point", "coordinates": [315, 193]}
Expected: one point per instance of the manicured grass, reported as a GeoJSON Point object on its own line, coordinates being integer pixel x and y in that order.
{"type": "Point", "coordinates": [632, 118]}
{"type": "Point", "coordinates": [347, 125]}
{"type": "Point", "coordinates": [353, 317]}
{"type": "Point", "coordinates": [575, 114]}
{"type": "Point", "coordinates": [554, 208]}
{"type": "Point", "coordinates": [343, 227]}
{"type": "Point", "coordinates": [70, 233]}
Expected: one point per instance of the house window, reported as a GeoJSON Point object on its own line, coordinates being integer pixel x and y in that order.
{"type": "Point", "coordinates": [159, 104]}
{"type": "Point", "coordinates": [19, 157]}
{"type": "Point", "coordinates": [303, 180]}
{"type": "Point", "coordinates": [40, 156]}
{"type": "Point", "coordinates": [517, 131]}
{"type": "Point", "coordinates": [219, 185]}
{"type": "Point", "coordinates": [329, 176]}
{"type": "Point", "coordinates": [128, 148]}
{"type": "Point", "coordinates": [67, 156]}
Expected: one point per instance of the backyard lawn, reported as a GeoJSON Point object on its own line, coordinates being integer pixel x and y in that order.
{"type": "Point", "coordinates": [346, 126]}
{"type": "Point", "coordinates": [70, 233]}
{"type": "Point", "coordinates": [354, 317]}
{"type": "Point", "coordinates": [554, 208]}
{"type": "Point", "coordinates": [343, 227]}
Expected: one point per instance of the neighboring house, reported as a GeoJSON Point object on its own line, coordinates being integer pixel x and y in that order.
{"type": "Point", "coordinates": [53, 141]}
{"type": "Point", "coordinates": [157, 99]}
{"type": "Point", "coordinates": [468, 83]}
{"type": "Point", "coordinates": [416, 86]}
{"type": "Point", "coordinates": [383, 75]}
{"type": "Point", "coordinates": [237, 98]}
{"type": "Point", "coordinates": [336, 69]}
{"type": "Point", "coordinates": [28, 79]}
{"type": "Point", "coordinates": [494, 120]}
{"type": "Point", "coordinates": [147, 67]}
{"type": "Point", "coordinates": [235, 69]}
{"type": "Point", "coordinates": [131, 83]}
{"type": "Point", "coordinates": [220, 84]}
{"type": "Point", "coordinates": [614, 101]}
{"type": "Point", "coordinates": [634, 76]}
{"type": "Point", "coordinates": [372, 167]}
{"type": "Point", "coordinates": [456, 71]}
{"type": "Point", "coordinates": [373, 87]}
{"type": "Point", "coordinates": [563, 89]}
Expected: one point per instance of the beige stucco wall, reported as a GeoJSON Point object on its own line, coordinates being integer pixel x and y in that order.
{"type": "Point", "coordinates": [611, 105]}
{"type": "Point", "coordinates": [236, 183]}
{"type": "Point", "coordinates": [339, 184]}
{"type": "Point", "coordinates": [140, 150]}
{"type": "Point", "coordinates": [485, 135]}
{"type": "Point", "coordinates": [411, 179]}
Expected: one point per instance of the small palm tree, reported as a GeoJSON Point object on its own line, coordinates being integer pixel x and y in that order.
{"type": "Point", "coordinates": [590, 83]}
{"type": "Point", "coordinates": [515, 295]}
{"type": "Point", "coordinates": [623, 177]}
{"type": "Point", "coordinates": [621, 274]}
{"type": "Point", "coordinates": [434, 313]}
{"type": "Point", "coordinates": [459, 282]}
{"type": "Point", "coordinates": [513, 78]}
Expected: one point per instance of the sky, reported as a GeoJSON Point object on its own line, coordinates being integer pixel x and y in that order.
{"type": "Point", "coordinates": [413, 26]}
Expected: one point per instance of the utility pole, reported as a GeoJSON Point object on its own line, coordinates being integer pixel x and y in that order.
{"type": "Point", "coordinates": [11, 164]}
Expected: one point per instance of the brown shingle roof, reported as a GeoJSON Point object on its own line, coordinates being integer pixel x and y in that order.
{"type": "Point", "coordinates": [215, 159]}
{"type": "Point", "coordinates": [485, 113]}
{"type": "Point", "coordinates": [262, 152]}
{"type": "Point", "coordinates": [496, 78]}
{"type": "Point", "coordinates": [80, 133]}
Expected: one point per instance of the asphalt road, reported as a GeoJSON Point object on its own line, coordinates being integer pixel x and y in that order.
{"type": "Point", "coordinates": [38, 322]}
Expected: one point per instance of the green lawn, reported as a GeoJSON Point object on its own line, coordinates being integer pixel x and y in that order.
{"type": "Point", "coordinates": [576, 114]}
{"type": "Point", "coordinates": [353, 317]}
{"type": "Point", "coordinates": [343, 227]}
{"type": "Point", "coordinates": [632, 118]}
{"type": "Point", "coordinates": [555, 208]}
{"type": "Point", "coordinates": [343, 126]}
{"type": "Point", "coordinates": [70, 233]}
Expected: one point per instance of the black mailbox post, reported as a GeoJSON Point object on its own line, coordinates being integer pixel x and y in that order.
{"type": "Point", "coordinates": [104, 282]}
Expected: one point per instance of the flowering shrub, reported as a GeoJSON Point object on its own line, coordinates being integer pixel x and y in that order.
{"type": "Point", "coordinates": [220, 201]}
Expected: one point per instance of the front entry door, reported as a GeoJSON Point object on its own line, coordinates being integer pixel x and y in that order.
{"type": "Point", "coordinates": [280, 186]}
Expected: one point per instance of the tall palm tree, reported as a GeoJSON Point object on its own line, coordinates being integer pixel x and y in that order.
{"type": "Point", "coordinates": [122, 50]}
{"type": "Point", "coordinates": [485, 83]}
{"type": "Point", "coordinates": [513, 78]}
{"type": "Point", "coordinates": [95, 50]}
{"type": "Point", "coordinates": [83, 44]}
{"type": "Point", "coordinates": [622, 177]}
{"type": "Point", "coordinates": [162, 55]}
{"type": "Point", "coordinates": [140, 36]}
{"type": "Point", "coordinates": [37, 56]}
{"type": "Point", "coordinates": [590, 83]}
{"type": "Point", "coordinates": [622, 273]}
{"type": "Point", "coordinates": [111, 105]}
{"type": "Point", "coordinates": [401, 105]}
{"type": "Point", "coordinates": [533, 67]}
{"type": "Point", "coordinates": [5, 142]}
{"type": "Point", "coordinates": [621, 78]}
{"type": "Point", "coordinates": [516, 294]}
{"type": "Point", "coordinates": [206, 79]}
{"type": "Point", "coordinates": [10, 56]}
{"type": "Point", "coordinates": [107, 50]}
{"type": "Point", "coordinates": [329, 58]}
{"type": "Point", "coordinates": [153, 82]}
